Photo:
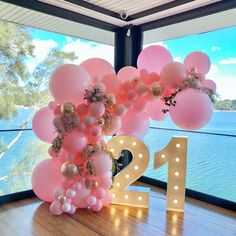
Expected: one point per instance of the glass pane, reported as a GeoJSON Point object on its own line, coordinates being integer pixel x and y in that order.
{"type": "Point", "coordinates": [27, 58]}
{"type": "Point", "coordinates": [211, 167]}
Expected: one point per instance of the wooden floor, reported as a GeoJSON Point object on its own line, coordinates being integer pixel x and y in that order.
{"type": "Point", "coordinates": [32, 217]}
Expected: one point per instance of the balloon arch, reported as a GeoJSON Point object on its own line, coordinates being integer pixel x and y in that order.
{"type": "Point", "coordinates": [91, 100]}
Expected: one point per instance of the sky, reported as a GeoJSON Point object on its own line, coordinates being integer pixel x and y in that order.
{"type": "Point", "coordinates": [219, 45]}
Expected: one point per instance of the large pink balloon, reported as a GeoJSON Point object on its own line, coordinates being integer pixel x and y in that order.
{"type": "Point", "coordinates": [42, 125]}
{"type": "Point", "coordinates": [74, 141]}
{"type": "Point", "coordinates": [68, 83]}
{"type": "Point", "coordinates": [173, 74]}
{"type": "Point", "coordinates": [199, 60]}
{"type": "Point", "coordinates": [97, 68]}
{"type": "Point", "coordinates": [154, 109]}
{"type": "Point", "coordinates": [210, 84]}
{"type": "Point", "coordinates": [153, 58]}
{"type": "Point", "coordinates": [127, 73]}
{"type": "Point", "coordinates": [80, 199]}
{"type": "Point", "coordinates": [46, 177]}
{"type": "Point", "coordinates": [111, 82]}
{"type": "Point", "coordinates": [102, 163]}
{"type": "Point", "coordinates": [193, 109]}
{"type": "Point", "coordinates": [136, 124]}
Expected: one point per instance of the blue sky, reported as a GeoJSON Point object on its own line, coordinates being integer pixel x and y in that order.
{"type": "Point", "coordinates": [219, 45]}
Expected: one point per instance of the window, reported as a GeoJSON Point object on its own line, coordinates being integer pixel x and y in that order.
{"type": "Point", "coordinates": [27, 58]}
{"type": "Point", "coordinates": [211, 166]}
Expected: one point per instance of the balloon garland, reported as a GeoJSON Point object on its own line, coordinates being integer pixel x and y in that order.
{"type": "Point", "coordinates": [91, 100]}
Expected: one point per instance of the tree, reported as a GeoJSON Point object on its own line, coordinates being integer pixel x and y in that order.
{"type": "Point", "coordinates": [20, 88]}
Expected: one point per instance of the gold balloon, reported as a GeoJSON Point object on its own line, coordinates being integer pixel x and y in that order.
{"type": "Point", "coordinates": [69, 170]}
{"type": "Point", "coordinates": [100, 121]}
{"type": "Point", "coordinates": [62, 199]}
{"type": "Point", "coordinates": [68, 109]}
{"type": "Point", "coordinates": [111, 99]}
{"type": "Point", "coordinates": [156, 89]}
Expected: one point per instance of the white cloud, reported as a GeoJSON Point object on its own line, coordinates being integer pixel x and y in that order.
{"type": "Point", "coordinates": [231, 60]}
{"type": "Point", "coordinates": [178, 59]}
{"type": "Point", "coordinates": [86, 50]}
{"type": "Point", "coordinates": [161, 43]}
{"type": "Point", "coordinates": [215, 48]}
{"type": "Point", "coordinates": [43, 47]}
{"type": "Point", "coordinates": [68, 39]}
{"type": "Point", "coordinates": [213, 70]}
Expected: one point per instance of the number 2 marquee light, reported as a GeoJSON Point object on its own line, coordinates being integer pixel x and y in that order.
{"type": "Point", "coordinates": [175, 154]}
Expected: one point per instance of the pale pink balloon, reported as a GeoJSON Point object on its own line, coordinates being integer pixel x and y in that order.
{"type": "Point", "coordinates": [46, 177]}
{"type": "Point", "coordinates": [132, 95]}
{"type": "Point", "coordinates": [99, 192]}
{"type": "Point", "coordinates": [106, 181]}
{"type": "Point", "coordinates": [193, 109]}
{"type": "Point", "coordinates": [74, 141]}
{"type": "Point", "coordinates": [96, 109]}
{"type": "Point", "coordinates": [102, 163]}
{"type": "Point", "coordinates": [73, 209]}
{"type": "Point", "coordinates": [153, 58]}
{"type": "Point", "coordinates": [154, 109]}
{"type": "Point", "coordinates": [127, 85]}
{"type": "Point", "coordinates": [80, 199]}
{"type": "Point", "coordinates": [42, 125]}
{"type": "Point", "coordinates": [68, 83]}
{"type": "Point", "coordinates": [173, 74]}
{"type": "Point", "coordinates": [95, 130]}
{"type": "Point", "coordinates": [139, 105]}
{"type": "Point", "coordinates": [210, 84]}
{"type": "Point", "coordinates": [127, 73]}
{"type": "Point", "coordinates": [111, 82]}
{"type": "Point", "coordinates": [97, 68]}
{"type": "Point", "coordinates": [107, 198]}
{"type": "Point", "coordinates": [89, 120]}
{"type": "Point", "coordinates": [55, 208]}
{"type": "Point", "coordinates": [113, 127]}
{"type": "Point", "coordinates": [136, 124]}
{"type": "Point", "coordinates": [199, 60]}
{"type": "Point", "coordinates": [98, 206]}
{"type": "Point", "coordinates": [91, 200]}
{"type": "Point", "coordinates": [66, 207]}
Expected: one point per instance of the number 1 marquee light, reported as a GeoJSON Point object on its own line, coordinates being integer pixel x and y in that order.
{"type": "Point", "coordinates": [91, 101]}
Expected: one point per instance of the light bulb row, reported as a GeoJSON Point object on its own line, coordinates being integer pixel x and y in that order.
{"type": "Point", "coordinates": [126, 196]}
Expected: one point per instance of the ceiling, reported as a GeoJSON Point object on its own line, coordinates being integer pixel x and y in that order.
{"type": "Point", "coordinates": [138, 11]}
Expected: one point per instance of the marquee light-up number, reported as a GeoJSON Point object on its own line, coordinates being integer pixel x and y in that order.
{"type": "Point", "coordinates": [175, 154]}
{"type": "Point", "coordinates": [131, 173]}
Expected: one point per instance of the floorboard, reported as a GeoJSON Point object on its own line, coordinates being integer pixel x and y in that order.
{"type": "Point", "coordinates": [32, 217]}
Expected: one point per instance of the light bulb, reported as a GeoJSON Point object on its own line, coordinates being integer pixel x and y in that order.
{"type": "Point", "coordinates": [112, 150]}
{"type": "Point", "coordinates": [121, 141]}
{"type": "Point", "coordinates": [175, 201]}
{"type": "Point", "coordinates": [140, 155]}
{"type": "Point", "coordinates": [177, 159]}
{"type": "Point", "coordinates": [136, 167]}
{"type": "Point", "coordinates": [176, 173]}
{"type": "Point", "coordinates": [140, 198]}
{"type": "Point", "coordinates": [127, 176]}
{"type": "Point", "coordinates": [176, 187]}
{"type": "Point", "coordinates": [113, 195]}
{"type": "Point", "coordinates": [177, 145]}
{"type": "Point", "coordinates": [126, 196]}
{"type": "Point", "coordinates": [163, 156]}
{"type": "Point", "coordinates": [134, 143]}
{"type": "Point", "coordinates": [118, 184]}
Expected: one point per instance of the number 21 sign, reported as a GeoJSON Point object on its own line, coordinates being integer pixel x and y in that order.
{"type": "Point", "coordinates": [174, 154]}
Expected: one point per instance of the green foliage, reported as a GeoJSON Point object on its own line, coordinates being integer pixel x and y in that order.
{"type": "Point", "coordinates": [17, 86]}
{"type": "Point", "coordinates": [225, 105]}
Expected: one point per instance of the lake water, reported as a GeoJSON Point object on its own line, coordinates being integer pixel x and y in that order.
{"type": "Point", "coordinates": [211, 165]}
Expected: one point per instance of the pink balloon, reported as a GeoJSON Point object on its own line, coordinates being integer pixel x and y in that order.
{"type": "Point", "coordinates": [98, 206]}
{"type": "Point", "coordinates": [199, 60]}
{"type": "Point", "coordinates": [80, 200]}
{"type": "Point", "coordinates": [120, 110]}
{"type": "Point", "coordinates": [82, 109]}
{"type": "Point", "coordinates": [42, 125]}
{"type": "Point", "coordinates": [193, 109]}
{"type": "Point", "coordinates": [107, 199]}
{"type": "Point", "coordinates": [127, 73]}
{"type": "Point", "coordinates": [135, 124]}
{"type": "Point", "coordinates": [113, 127]}
{"type": "Point", "coordinates": [139, 105]}
{"type": "Point", "coordinates": [74, 141]}
{"type": "Point", "coordinates": [89, 120]}
{"type": "Point", "coordinates": [46, 177]}
{"type": "Point", "coordinates": [91, 200]}
{"type": "Point", "coordinates": [153, 58]}
{"type": "Point", "coordinates": [55, 208]}
{"type": "Point", "coordinates": [102, 163]}
{"type": "Point", "coordinates": [210, 84]}
{"type": "Point", "coordinates": [97, 68]}
{"type": "Point", "coordinates": [99, 192]}
{"type": "Point", "coordinates": [173, 74]}
{"type": "Point", "coordinates": [68, 83]}
{"type": "Point", "coordinates": [96, 109]}
{"type": "Point", "coordinates": [106, 181]}
{"type": "Point", "coordinates": [111, 82]}
{"type": "Point", "coordinates": [154, 109]}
